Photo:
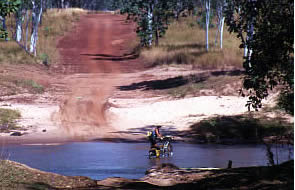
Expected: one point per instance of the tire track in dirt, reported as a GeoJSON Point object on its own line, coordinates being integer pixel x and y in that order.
{"type": "Point", "coordinates": [93, 56]}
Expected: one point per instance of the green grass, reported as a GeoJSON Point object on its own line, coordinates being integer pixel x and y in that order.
{"type": "Point", "coordinates": [8, 119]}
{"type": "Point", "coordinates": [184, 43]}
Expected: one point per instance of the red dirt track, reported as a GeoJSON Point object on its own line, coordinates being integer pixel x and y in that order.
{"type": "Point", "coordinates": [100, 43]}
{"type": "Point", "coordinates": [93, 55]}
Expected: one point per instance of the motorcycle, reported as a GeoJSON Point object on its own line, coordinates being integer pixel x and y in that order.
{"type": "Point", "coordinates": [165, 148]}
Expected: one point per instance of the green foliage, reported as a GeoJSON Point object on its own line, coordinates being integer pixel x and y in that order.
{"type": "Point", "coordinates": [286, 102]}
{"type": "Point", "coordinates": [241, 127]}
{"type": "Point", "coordinates": [45, 59]}
{"type": "Point", "coordinates": [7, 7]}
{"type": "Point", "coordinates": [272, 44]}
{"type": "Point", "coordinates": [151, 29]}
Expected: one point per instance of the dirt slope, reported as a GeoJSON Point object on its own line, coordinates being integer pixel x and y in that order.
{"type": "Point", "coordinates": [93, 56]}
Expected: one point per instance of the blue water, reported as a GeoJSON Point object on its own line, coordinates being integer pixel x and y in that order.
{"type": "Point", "coordinates": [99, 160]}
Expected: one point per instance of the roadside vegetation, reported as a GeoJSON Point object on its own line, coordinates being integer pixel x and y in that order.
{"type": "Point", "coordinates": [12, 86]}
{"type": "Point", "coordinates": [224, 85]}
{"type": "Point", "coordinates": [184, 43]}
{"type": "Point", "coordinates": [8, 119]}
{"type": "Point", "coordinates": [55, 23]}
{"type": "Point", "coordinates": [17, 176]}
{"type": "Point", "coordinates": [246, 128]}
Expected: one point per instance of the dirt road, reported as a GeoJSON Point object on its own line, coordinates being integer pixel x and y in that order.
{"type": "Point", "coordinates": [93, 56]}
{"type": "Point", "coordinates": [100, 89]}
{"type": "Point", "coordinates": [100, 43]}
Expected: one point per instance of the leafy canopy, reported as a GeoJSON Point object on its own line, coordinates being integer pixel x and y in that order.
{"type": "Point", "coordinates": [7, 7]}
{"type": "Point", "coordinates": [270, 62]}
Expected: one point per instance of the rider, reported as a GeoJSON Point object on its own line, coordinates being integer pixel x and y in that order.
{"type": "Point", "coordinates": [155, 134]}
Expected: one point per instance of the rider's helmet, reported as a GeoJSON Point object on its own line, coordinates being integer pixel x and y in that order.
{"type": "Point", "coordinates": [158, 126]}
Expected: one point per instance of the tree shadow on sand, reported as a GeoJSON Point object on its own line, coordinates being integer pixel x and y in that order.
{"type": "Point", "coordinates": [163, 84]}
{"type": "Point", "coordinates": [177, 81]}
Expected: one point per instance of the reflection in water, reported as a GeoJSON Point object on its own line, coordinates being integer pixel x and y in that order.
{"type": "Point", "coordinates": [100, 160]}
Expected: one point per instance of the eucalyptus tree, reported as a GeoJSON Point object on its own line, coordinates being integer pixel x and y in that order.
{"type": "Point", "coordinates": [151, 18]}
{"type": "Point", "coordinates": [37, 10]}
{"type": "Point", "coordinates": [270, 63]}
{"type": "Point", "coordinates": [181, 5]}
{"type": "Point", "coordinates": [21, 16]}
{"type": "Point", "coordinates": [220, 21]}
{"type": "Point", "coordinates": [208, 6]}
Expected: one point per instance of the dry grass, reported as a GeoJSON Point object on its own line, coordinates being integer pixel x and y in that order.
{"type": "Point", "coordinates": [54, 25]}
{"type": "Point", "coordinates": [12, 85]}
{"type": "Point", "coordinates": [214, 85]}
{"type": "Point", "coordinates": [184, 43]}
{"type": "Point", "coordinates": [17, 176]}
{"type": "Point", "coordinates": [8, 119]}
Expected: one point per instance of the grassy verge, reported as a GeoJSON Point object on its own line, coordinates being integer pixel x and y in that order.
{"type": "Point", "coordinates": [16, 176]}
{"type": "Point", "coordinates": [213, 85]}
{"type": "Point", "coordinates": [8, 119]}
{"type": "Point", "coordinates": [11, 86]}
{"type": "Point", "coordinates": [241, 128]}
{"type": "Point", "coordinates": [184, 43]}
{"type": "Point", "coordinates": [55, 23]}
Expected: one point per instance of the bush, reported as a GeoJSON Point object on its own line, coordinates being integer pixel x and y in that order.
{"type": "Point", "coordinates": [7, 119]}
{"type": "Point", "coordinates": [286, 102]}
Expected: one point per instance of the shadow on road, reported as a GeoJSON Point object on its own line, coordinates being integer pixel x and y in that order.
{"type": "Point", "coordinates": [107, 57]}
{"type": "Point", "coordinates": [163, 84]}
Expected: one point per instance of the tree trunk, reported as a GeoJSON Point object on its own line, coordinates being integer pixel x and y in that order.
{"type": "Point", "coordinates": [4, 26]}
{"type": "Point", "coordinates": [221, 32]}
{"type": "Point", "coordinates": [27, 17]}
{"type": "Point", "coordinates": [157, 36]}
{"type": "Point", "coordinates": [247, 50]}
{"type": "Point", "coordinates": [18, 27]}
{"type": "Point", "coordinates": [150, 24]}
{"type": "Point", "coordinates": [36, 16]}
{"type": "Point", "coordinates": [207, 23]}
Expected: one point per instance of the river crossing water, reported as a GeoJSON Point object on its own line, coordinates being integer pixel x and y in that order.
{"type": "Point", "coordinates": [100, 160]}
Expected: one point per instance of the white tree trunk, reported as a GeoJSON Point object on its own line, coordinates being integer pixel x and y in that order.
{"type": "Point", "coordinates": [18, 27]}
{"type": "Point", "coordinates": [36, 17]}
{"type": "Point", "coordinates": [250, 33]}
{"type": "Point", "coordinates": [150, 24]}
{"type": "Point", "coordinates": [221, 31]}
{"type": "Point", "coordinates": [207, 23]}
{"type": "Point", "coordinates": [27, 29]}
